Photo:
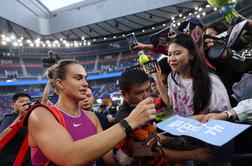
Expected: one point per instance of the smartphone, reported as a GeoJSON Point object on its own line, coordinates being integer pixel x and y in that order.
{"type": "Point", "coordinates": [132, 41]}
{"type": "Point", "coordinates": [150, 67]}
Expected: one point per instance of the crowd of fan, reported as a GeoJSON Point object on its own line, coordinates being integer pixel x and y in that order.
{"type": "Point", "coordinates": [188, 82]}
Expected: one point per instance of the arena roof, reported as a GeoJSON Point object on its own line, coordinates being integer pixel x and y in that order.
{"type": "Point", "coordinates": [91, 19]}
{"type": "Point", "coordinates": [57, 4]}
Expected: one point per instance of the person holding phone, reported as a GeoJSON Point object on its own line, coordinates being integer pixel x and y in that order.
{"type": "Point", "coordinates": [132, 41]}
{"type": "Point", "coordinates": [20, 103]}
{"type": "Point", "coordinates": [191, 88]}
{"type": "Point", "coordinates": [192, 26]}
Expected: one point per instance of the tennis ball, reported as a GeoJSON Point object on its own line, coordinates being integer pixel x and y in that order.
{"type": "Point", "coordinates": [143, 59]}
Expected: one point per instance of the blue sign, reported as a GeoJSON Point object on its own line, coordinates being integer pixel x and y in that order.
{"type": "Point", "coordinates": [215, 132]}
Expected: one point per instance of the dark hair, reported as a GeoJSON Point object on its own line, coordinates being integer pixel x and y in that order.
{"type": "Point", "coordinates": [201, 80]}
{"type": "Point", "coordinates": [164, 66]}
{"type": "Point", "coordinates": [17, 95]}
{"type": "Point", "coordinates": [218, 27]}
{"type": "Point", "coordinates": [130, 77]}
{"type": "Point", "coordinates": [59, 70]}
{"type": "Point", "coordinates": [89, 87]}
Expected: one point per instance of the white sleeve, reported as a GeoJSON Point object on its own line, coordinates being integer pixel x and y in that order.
{"type": "Point", "coordinates": [219, 100]}
{"type": "Point", "coordinates": [244, 111]}
{"type": "Point", "coordinates": [169, 83]}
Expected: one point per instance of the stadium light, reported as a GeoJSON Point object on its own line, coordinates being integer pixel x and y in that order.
{"type": "Point", "coordinates": [200, 11]}
{"type": "Point", "coordinates": [8, 39]}
{"type": "Point", "coordinates": [4, 43]}
{"type": "Point", "coordinates": [13, 37]}
{"type": "Point", "coordinates": [28, 41]}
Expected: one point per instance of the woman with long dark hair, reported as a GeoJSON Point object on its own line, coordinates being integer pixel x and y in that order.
{"type": "Point", "coordinates": [191, 88]}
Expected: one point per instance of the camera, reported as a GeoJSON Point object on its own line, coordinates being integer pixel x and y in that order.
{"type": "Point", "coordinates": [52, 59]}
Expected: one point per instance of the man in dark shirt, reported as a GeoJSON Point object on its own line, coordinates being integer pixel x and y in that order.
{"type": "Point", "coordinates": [20, 102]}
{"type": "Point", "coordinates": [135, 87]}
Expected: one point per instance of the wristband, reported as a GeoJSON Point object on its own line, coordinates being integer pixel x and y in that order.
{"type": "Point", "coordinates": [127, 128]}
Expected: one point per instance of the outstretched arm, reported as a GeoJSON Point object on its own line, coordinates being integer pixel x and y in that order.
{"type": "Point", "coordinates": [161, 88]}
{"type": "Point", "coordinates": [59, 147]}
{"type": "Point", "coordinates": [242, 112]}
{"type": "Point", "coordinates": [46, 93]}
{"type": "Point", "coordinates": [142, 46]}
